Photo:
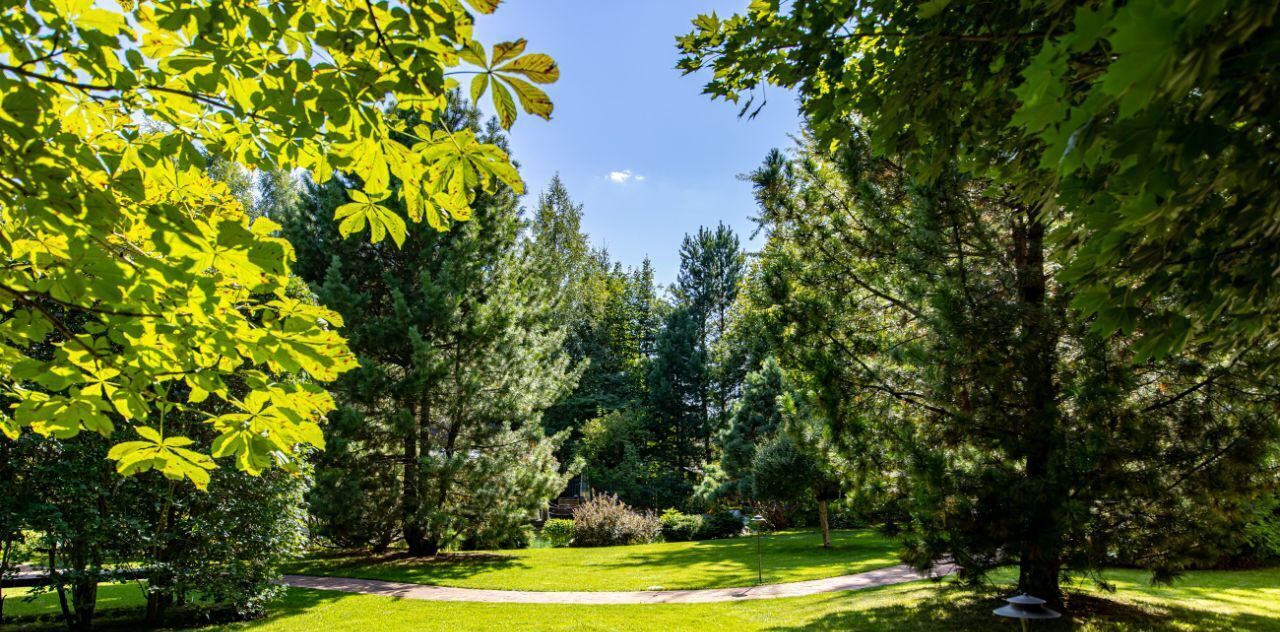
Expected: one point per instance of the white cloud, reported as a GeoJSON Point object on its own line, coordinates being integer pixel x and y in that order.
{"type": "Point", "coordinates": [624, 176]}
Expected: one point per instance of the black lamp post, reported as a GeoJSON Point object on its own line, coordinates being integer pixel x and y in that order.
{"type": "Point", "coordinates": [1024, 607]}
{"type": "Point", "coordinates": [756, 521]}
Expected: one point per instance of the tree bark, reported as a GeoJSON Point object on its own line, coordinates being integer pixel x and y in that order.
{"type": "Point", "coordinates": [826, 526]}
{"type": "Point", "coordinates": [160, 581]}
{"type": "Point", "coordinates": [411, 498]}
{"type": "Point", "coordinates": [84, 596]}
{"type": "Point", "coordinates": [4, 568]}
{"type": "Point", "coordinates": [56, 578]}
{"type": "Point", "coordinates": [1040, 543]}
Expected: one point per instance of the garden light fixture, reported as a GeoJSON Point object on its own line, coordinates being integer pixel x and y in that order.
{"type": "Point", "coordinates": [1024, 607]}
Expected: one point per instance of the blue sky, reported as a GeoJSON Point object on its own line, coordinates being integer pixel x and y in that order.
{"type": "Point", "coordinates": [621, 106]}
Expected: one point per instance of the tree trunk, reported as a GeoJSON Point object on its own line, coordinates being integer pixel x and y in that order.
{"type": "Point", "coordinates": [384, 542]}
{"type": "Point", "coordinates": [424, 547]}
{"type": "Point", "coordinates": [4, 568]}
{"type": "Point", "coordinates": [1040, 543]}
{"type": "Point", "coordinates": [56, 579]}
{"type": "Point", "coordinates": [158, 600]}
{"type": "Point", "coordinates": [826, 526]}
{"type": "Point", "coordinates": [160, 580]}
{"type": "Point", "coordinates": [84, 596]}
{"type": "Point", "coordinates": [411, 495]}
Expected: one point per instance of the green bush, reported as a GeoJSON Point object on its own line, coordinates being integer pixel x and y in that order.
{"type": "Point", "coordinates": [680, 527]}
{"type": "Point", "coordinates": [498, 537]}
{"type": "Point", "coordinates": [558, 531]}
{"type": "Point", "coordinates": [1262, 534]}
{"type": "Point", "coordinates": [720, 524]}
{"type": "Point", "coordinates": [607, 521]}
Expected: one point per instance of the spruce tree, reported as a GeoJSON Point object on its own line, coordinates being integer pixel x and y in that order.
{"type": "Point", "coordinates": [588, 293]}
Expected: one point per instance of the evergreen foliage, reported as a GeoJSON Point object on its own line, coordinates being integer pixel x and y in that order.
{"type": "Point", "coordinates": [590, 292]}
{"type": "Point", "coordinates": [757, 418]}
{"type": "Point", "coordinates": [1141, 130]}
{"type": "Point", "coordinates": [459, 355]}
{"type": "Point", "coordinates": [960, 386]}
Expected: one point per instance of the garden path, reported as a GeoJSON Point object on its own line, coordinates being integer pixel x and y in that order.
{"type": "Point", "coordinates": [870, 579]}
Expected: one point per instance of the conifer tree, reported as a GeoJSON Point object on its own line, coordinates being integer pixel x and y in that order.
{"type": "Point", "coordinates": [711, 265]}
{"type": "Point", "coordinates": [459, 357]}
{"type": "Point", "coordinates": [587, 291]}
{"type": "Point", "coordinates": [952, 374]}
{"type": "Point", "coordinates": [756, 419]}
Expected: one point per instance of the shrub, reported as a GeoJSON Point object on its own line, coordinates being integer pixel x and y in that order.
{"type": "Point", "coordinates": [498, 537]}
{"type": "Point", "coordinates": [842, 516]}
{"type": "Point", "coordinates": [720, 524]}
{"type": "Point", "coordinates": [558, 531]}
{"type": "Point", "coordinates": [607, 521]}
{"type": "Point", "coordinates": [1262, 534]}
{"type": "Point", "coordinates": [680, 527]}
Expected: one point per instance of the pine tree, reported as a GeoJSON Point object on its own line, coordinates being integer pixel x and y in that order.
{"type": "Point", "coordinates": [756, 419]}
{"type": "Point", "coordinates": [459, 357]}
{"type": "Point", "coordinates": [711, 265]}
{"type": "Point", "coordinates": [953, 376]}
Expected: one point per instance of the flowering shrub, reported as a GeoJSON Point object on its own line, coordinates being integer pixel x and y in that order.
{"type": "Point", "coordinates": [607, 521]}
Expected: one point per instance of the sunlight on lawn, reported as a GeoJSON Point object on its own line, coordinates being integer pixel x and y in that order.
{"type": "Point", "coordinates": [788, 556]}
{"type": "Point", "coordinates": [1216, 601]}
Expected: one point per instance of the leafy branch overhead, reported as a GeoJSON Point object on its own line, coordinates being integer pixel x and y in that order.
{"type": "Point", "coordinates": [510, 68]}
{"type": "Point", "coordinates": [1145, 130]}
{"type": "Point", "coordinates": [133, 284]}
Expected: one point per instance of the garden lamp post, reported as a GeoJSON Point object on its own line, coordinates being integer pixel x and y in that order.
{"type": "Point", "coordinates": [1024, 607]}
{"type": "Point", "coordinates": [756, 522]}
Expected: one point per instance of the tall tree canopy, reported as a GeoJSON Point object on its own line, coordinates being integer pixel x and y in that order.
{"type": "Point", "coordinates": [963, 390]}
{"type": "Point", "coordinates": [1144, 129]}
{"type": "Point", "coordinates": [691, 390]}
{"type": "Point", "coordinates": [589, 292]}
{"type": "Point", "coordinates": [459, 356]}
{"type": "Point", "coordinates": [108, 116]}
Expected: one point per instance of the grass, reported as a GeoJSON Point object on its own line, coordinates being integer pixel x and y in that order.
{"type": "Point", "coordinates": [788, 556]}
{"type": "Point", "coordinates": [110, 597]}
{"type": "Point", "coordinates": [1212, 601]}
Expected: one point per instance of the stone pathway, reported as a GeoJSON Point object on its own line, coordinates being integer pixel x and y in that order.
{"type": "Point", "coordinates": [869, 579]}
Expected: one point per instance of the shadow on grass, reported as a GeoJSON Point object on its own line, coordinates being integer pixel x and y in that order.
{"type": "Point", "coordinates": [297, 601]}
{"type": "Point", "coordinates": [961, 610]}
{"type": "Point", "coordinates": [725, 562]}
{"type": "Point", "coordinates": [400, 566]}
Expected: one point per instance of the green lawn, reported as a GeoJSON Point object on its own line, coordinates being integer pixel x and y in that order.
{"type": "Point", "coordinates": [1213, 601]}
{"type": "Point", "coordinates": [788, 556]}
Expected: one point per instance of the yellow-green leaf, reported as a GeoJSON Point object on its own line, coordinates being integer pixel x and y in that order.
{"type": "Point", "coordinates": [484, 6]}
{"type": "Point", "coordinates": [532, 99]}
{"type": "Point", "coordinates": [539, 68]}
{"type": "Point", "coordinates": [502, 51]}
{"type": "Point", "coordinates": [478, 84]}
{"type": "Point", "coordinates": [504, 104]}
